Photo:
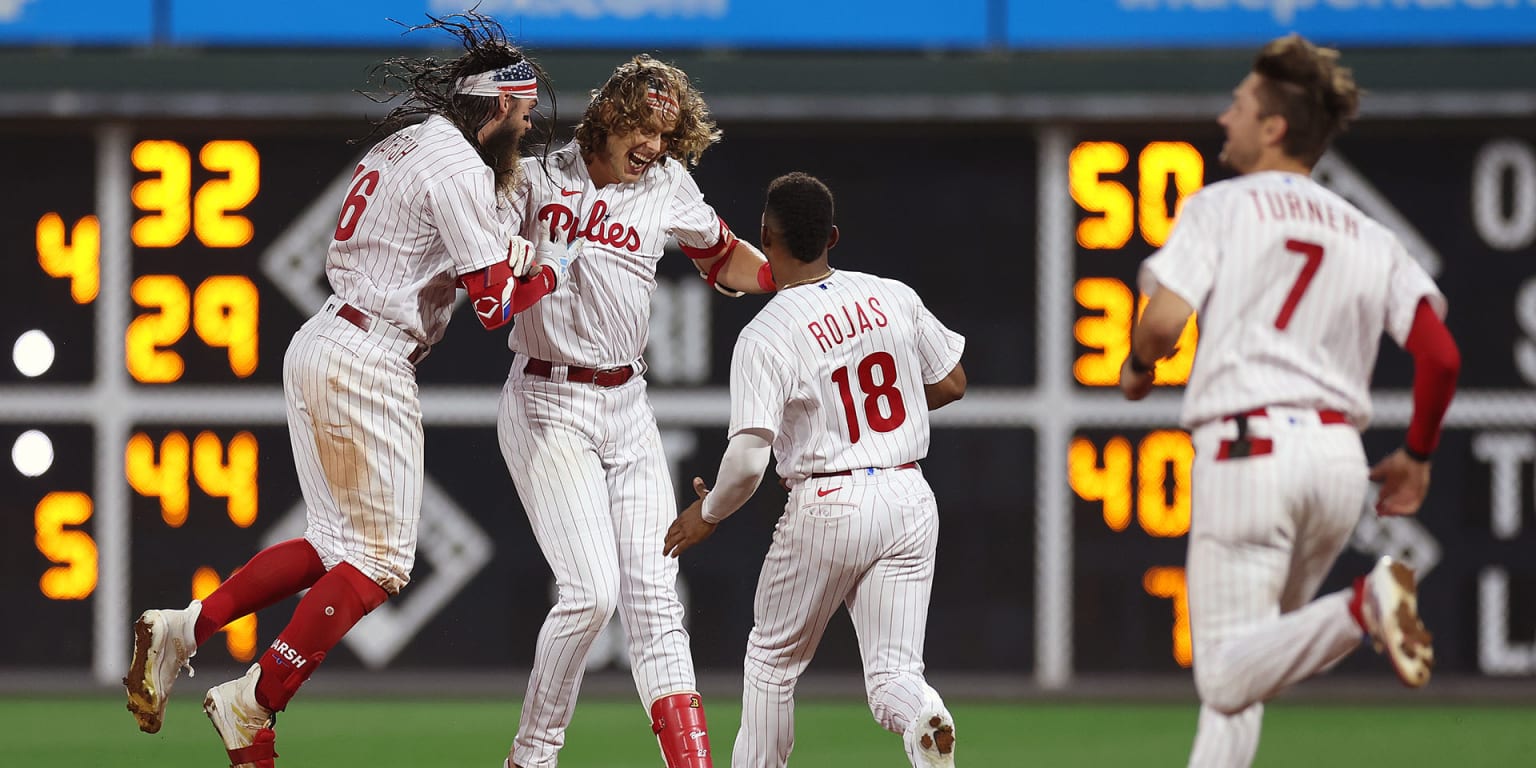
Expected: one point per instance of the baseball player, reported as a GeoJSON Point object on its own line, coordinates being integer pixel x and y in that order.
{"type": "Point", "coordinates": [420, 218]}
{"type": "Point", "coordinates": [837, 374]}
{"type": "Point", "coordinates": [1294, 287]}
{"type": "Point", "coordinates": [574, 424]}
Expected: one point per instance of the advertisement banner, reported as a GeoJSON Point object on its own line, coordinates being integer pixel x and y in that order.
{"type": "Point", "coordinates": [1242, 23]}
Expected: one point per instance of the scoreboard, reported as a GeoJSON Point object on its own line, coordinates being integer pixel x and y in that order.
{"type": "Point", "coordinates": [158, 269]}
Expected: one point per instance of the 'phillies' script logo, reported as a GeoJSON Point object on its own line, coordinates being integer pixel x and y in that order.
{"type": "Point", "coordinates": [616, 234]}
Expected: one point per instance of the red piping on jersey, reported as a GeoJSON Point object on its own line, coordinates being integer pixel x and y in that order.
{"type": "Point", "coordinates": [1436, 366]}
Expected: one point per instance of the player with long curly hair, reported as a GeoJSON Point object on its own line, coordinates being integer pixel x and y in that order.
{"type": "Point", "coordinates": [575, 426]}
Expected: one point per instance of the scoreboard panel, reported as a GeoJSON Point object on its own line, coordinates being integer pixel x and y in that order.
{"type": "Point", "coordinates": [1064, 508]}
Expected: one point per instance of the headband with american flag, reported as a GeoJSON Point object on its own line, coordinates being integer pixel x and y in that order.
{"type": "Point", "coordinates": [516, 79]}
{"type": "Point", "coordinates": [660, 99]}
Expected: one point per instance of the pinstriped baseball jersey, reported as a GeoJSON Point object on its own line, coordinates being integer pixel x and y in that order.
{"type": "Point", "coordinates": [836, 371]}
{"type": "Point", "coordinates": [421, 211]}
{"type": "Point", "coordinates": [619, 232]}
{"type": "Point", "coordinates": [1293, 287]}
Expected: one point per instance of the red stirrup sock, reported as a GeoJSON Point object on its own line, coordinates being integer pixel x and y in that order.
{"type": "Point", "coordinates": [678, 722]}
{"type": "Point", "coordinates": [275, 573]}
{"type": "Point", "coordinates": [1356, 601]}
{"type": "Point", "coordinates": [338, 600]}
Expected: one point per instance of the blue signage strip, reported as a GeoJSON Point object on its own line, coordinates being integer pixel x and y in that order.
{"type": "Point", "coordinates": [640, 24]}
{"type": "Point", "coordinates": [1236, 23]}
{"type": "Point", "coordinates": [77, 22]}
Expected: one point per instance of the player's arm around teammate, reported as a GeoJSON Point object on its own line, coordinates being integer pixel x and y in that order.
{"type": "Point", "coordinates": [420, 216]}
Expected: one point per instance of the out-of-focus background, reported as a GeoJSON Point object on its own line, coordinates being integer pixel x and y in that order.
{"type": "Point", "coordinates": [173, 171]}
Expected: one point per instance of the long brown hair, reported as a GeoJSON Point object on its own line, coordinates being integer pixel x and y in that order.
{"type": "Point", "coordinates": [620, 107]}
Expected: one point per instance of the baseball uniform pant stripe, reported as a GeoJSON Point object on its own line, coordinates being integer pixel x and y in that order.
{"type": "Point", "coordinates": [1265, 532]}
{"type": "Point", "coordinates": [354, 420]}
{"type": "Point", "coordinates": [869, 546]}
{"type": "Point", "coordinates": [588, 466]}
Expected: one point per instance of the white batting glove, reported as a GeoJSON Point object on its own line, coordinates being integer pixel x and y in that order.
{"type": "Point", "coordinates": [549, 250]}
{"type": "Point", "coordinates": [520, 256]}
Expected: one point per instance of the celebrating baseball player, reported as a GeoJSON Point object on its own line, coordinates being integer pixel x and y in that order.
{"type": "Point", "coordinates": [827, 375]}
{"type": "Point", "coordinates": [1294, 287]}
{"type": "Point", "coordinates": [574, 423]}
{"type": "Point", "coordinates": [420, 217]}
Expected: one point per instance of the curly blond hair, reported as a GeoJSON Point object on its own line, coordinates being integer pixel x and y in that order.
{"type": "Point", "coordinates": [620, 107]}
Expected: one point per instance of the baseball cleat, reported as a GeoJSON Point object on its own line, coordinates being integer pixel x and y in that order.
{"type": "Point", "coordinates": [163, 644]}
{"type": "Point", "coordinates": [930, 740]}
{"type": "Point", "coordinates": [243, 724]}
{"type": "Point", "coordinates": [1391, 613]}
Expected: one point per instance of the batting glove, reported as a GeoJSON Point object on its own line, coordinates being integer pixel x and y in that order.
{"type": "Point", "coordinates": [520, 256]}
{"type": "Point", "coordinates": [550, 251]}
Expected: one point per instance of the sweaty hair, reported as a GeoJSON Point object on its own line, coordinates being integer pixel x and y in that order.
{"type": "Point", "coordinates": [800, 207]}
{"type": "Point", "coordinates": [1305, 85]}
{"type": "Point", "coordinates": [620, 107]}
{"type": "Point", "coordinates": [428, 84]}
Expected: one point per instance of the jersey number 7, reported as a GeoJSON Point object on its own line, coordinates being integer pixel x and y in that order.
{"type": "Point", "coordinates": [1314, 255]}
{"type": "Point", "coordinates": [873, 393]}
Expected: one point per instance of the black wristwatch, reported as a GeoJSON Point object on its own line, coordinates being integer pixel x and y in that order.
{"type": "Point", "coordinates": [1137, 366]}
{"type": "Point", "coordinates": [1415, 455]}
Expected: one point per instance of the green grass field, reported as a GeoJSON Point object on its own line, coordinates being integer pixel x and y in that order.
{"type": "Point", "coordinates": [59, 732]}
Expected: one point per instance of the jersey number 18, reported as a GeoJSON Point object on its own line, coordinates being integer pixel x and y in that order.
{"type": "Point", "coordinates": [895, 411]}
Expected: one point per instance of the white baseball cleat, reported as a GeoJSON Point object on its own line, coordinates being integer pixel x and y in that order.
{"type": "Point", "coordinates": [1390, 608]}
{"type": "Point", "coordinates": [243, 724]}
{"type": "Point", "coordinates": [163, 644]}
{"type": "Point", "coordinates": [930, 739]}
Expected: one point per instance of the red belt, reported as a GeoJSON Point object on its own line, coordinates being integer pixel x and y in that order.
{"type": "Point", "coordinates": [1244, 446]}
{"type": "Point", "coordinates": [602, 377]}
{"type": "Point", "coordinates": [364, 322]}
{"type": "Point", "coordinates": [784, 483]}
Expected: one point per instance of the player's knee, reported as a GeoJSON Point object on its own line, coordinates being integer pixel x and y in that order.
{"type": "Point", "coordinates": [762, 675]}
{"type": "Point", "coordinates": [590, 607]}
{"type": "Point", "coordinates": [1218, 687]}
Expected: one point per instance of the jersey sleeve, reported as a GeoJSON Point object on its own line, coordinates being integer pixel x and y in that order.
{"type": "Point", "coordinates": [463, 206]}
{"type": "Point", "coordinates": [1186, 264]}
{"type": "Point", "coordinates": [760, 386]}
{"type": "Point", "coordinates": [698, 229]}
{"type": "Point", "coordinates": [1406, 285]}
{"type": "Point", "coordinates": [938, 347]}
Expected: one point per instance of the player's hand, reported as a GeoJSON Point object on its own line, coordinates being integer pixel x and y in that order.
{"type": "Point", "coordinates": [520, 256]}
{"type": "Point", "coordinates": [1134, 385]}
{"type": "Point", "coordinates": [549, 250]}
{"type": "Point", "coordinates": [690, 527]}
{"type": "Point", "coordinates": [1404, 482]}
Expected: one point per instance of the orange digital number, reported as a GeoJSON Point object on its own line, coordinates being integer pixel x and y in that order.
{"type": "Point", "coordinates": [148, 335]}
{"type": "Point", "coordinates": [1109, 334]}
{"type": "Point", "coordinates": [1169, 583]}
{"type": "Point", "coordinates": [240, 634]}
{"type": "Point", "coordinates": [75, 257]}
{"type": "Point", "coordinates": [168, 476]}
{"type": "Point", "coordinates": [1106, 477]}
{"type": "Point", "coordinates": [173, 210]}
{"type": "Point", "coordinates": [74, 578]}
{"type": "Point", "coordinates": [1119, 212]}
{"type": "Point", "coordinates": [225, 310]}
{"type": "Point", "coordinates": [234, 479]}
{"type": "Point", "coordinates": [165, 478]}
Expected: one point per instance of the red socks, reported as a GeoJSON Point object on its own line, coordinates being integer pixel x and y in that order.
{"type": "Point", "coordinates": [275, 573]}
{"type": "Point", "coordinates": [1357, 601]}
{"type": "Point", "coordinates": [336, 602]}
{"type": "Point", "coordinates": [678, 722]}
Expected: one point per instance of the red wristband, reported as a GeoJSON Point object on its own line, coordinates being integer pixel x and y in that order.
{"type": "Point", "coordinates": [765, 278]}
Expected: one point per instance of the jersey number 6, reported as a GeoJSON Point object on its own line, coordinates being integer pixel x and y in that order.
{"type": "Point", "coordinates": [873, 394]}
{"type": "Point", "coordinates": [357, 201]}
{"type": "Point", "coordinates": [1314, 255]}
